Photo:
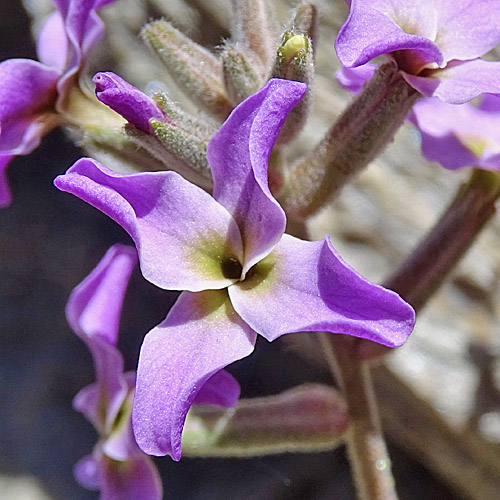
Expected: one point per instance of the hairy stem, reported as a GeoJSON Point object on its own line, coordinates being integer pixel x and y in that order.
{"type": "Point", "coordinates": [362, 131]}
{"type": "Point", "coordinates": [429, 264]}
{"type": "Point", "coordinates": [366, 447]}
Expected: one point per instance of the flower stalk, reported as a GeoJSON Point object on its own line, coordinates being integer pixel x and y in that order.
{"type": "Point", "coordinates": [359, 135]}
{"type": "Point", "coordinates": [370, 463]}
{"type": "Point", "coordinates": [429, 264]}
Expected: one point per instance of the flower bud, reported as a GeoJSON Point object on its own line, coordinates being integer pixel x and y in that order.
{"type": "Point", "coordinates": [194, 69]}
{"type": "Point", "coordinates": [128, 101]}
{"type": "Point", "coordinates": [310, 418]}
{"type": "Point", "coordinates": [255, 28]}
{"type": "Point", "coordinates": [242, 76]}
{"type": "Point", "coordinates": [295, 61]}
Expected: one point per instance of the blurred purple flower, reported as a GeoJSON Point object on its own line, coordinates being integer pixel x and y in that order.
{"type": "Point", "coordinates": [117, 466]}
{"type": "Point", "coordinates": [460, 136]}
{"type": "Point", "coordinates": [436, 44]}
{"type": "Point", "coordinates": [241, 274]}
{"type": "Point", "coordinates": [32, 92]}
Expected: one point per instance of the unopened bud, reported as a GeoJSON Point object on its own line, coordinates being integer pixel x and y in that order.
{"type": "Point", "coordinates": [128, 101]}
{"type": "Point", "coordinates": [305, 22]}
{"type": "Point", "coordinates": [255, 28]}
{"type": "Point", "coordinates": [295, 61]}
{"type": "Point", "coordinates": [308, 418]}
{"type": "Point", "coordinates": [187, 148]}
{"type": "Point", "coordinates": [241, 75]}
{"type": "Point", "coordinates": [182, 119]}
{"type": "Point", "coordinates": [194, 69]}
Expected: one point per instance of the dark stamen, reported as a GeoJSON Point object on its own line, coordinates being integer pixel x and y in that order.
{"type": "Point", "coordinates": [231, 268]}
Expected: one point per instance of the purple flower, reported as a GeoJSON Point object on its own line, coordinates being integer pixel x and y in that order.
{"type": "Point", "coordinates": [241, 275]}
{"type": "Point", "coordinates": [32, 92]}
{"type": "Point", "coordinates": [135, 106]}
{"type": "Point", "coordinates": [117, 466]}
{"type": "Point", "coordinates": [460, 136]}
{"type": "Point", "coordinates": [436, 44]}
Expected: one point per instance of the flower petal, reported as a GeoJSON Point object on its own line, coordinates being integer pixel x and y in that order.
{"type": "Point", "coordinates": [220, 389]}
{"type": "Point", "coordinates": [52, 44]}
{"type": "Point", "coordinates": [200, 336]}
{"type": "Point", "coordinates": [5, 196]}
{"type": "Point", "coordinates": [306, 286]}
{"type": "Point", "coordinates": [88, 473]}
{"type": "Point", "coordinates": [467, 29]}
{"type": "Point", "coordinates": [353, 79]}
{"type": "Point", "coordinates": [238, 155]}
{"type": "Point", "coordinates": [183, 236]}
{"type": "Point", "coordinates": [460, 81]}
{"type": "Point", "coordinates": [93, 311]}
{"type": "Point", "coordinates": [95, 305]}
{"type": "Point", "coordinates": [458, 135]}
{"type": "Point", "coordinates": [27, 94]}
{"type": "Point", "coordinates": [128, 101]}
{"type": "Point", "coordinates": [374, 28]}
{"type": "Point", "coordinates": [84, 29]}
{"type": "Point", "coordinates": [134, 479]}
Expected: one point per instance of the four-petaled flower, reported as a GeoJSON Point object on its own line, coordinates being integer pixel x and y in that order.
{"type": "Point", "coordinates": [241, 273]}
{"type": "Point", "coordinates": [33, 94]}
{"type": "Point", "coordinates": [436, 44]}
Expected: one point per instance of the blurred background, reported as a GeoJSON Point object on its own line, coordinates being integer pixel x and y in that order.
{"type": "Point", "coordinates": [49, 241]}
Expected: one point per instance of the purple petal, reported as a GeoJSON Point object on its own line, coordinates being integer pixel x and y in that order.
{"type": "Point", "coordinates": [93, 311]}
{"type": "Point", "coordinates": [460, 81]}
{"type": "Point", "coordinates": [135, 106]}
{"type": "Point", "coordinates": [83, 30]}
{"type": "Point", "coordinates": [220, 389]}
{"type": "Point", "coordinates": [182, 234]}
{"type": "Point", "coordinates": [467, 28]}
{"type": "Point", "coordinates": [120, 443]}
{"type": "Point", "coordinates": [95, 305]}
{"type": "Point", "coordinates": [374, 28]}
{"type": "Point", "coordinates": [5, 196]}
{"type": "Point", "coordinates": [87, 403]}
{"type": "Point", "coordinates": [238, 155]}
{"type": "Point", "coordinates": [200, 336]}
{"type": "Point", "coordinates": [306, 286]}
{"type": "Point", "coordinates": [353, 79]}
{"type": "Point", "coordinates": [490, 103]}
{"type": "Point", "coordinates": [27, 96]}
{"type": "Point", "coordinates": [52, 44]}
{"type": "Point", "coordinates": [458, 135]}
{"type": "Point", "coordinates": [134, 479]}
{"type": "Point", "coordinates": [88, 473]}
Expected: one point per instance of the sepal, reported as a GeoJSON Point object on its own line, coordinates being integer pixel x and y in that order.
{"type": "Point", "coordinates": [308, 418]}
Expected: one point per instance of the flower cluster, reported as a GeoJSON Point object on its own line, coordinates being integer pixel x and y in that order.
{"type": "Point", "coordinates": [209, 218]}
